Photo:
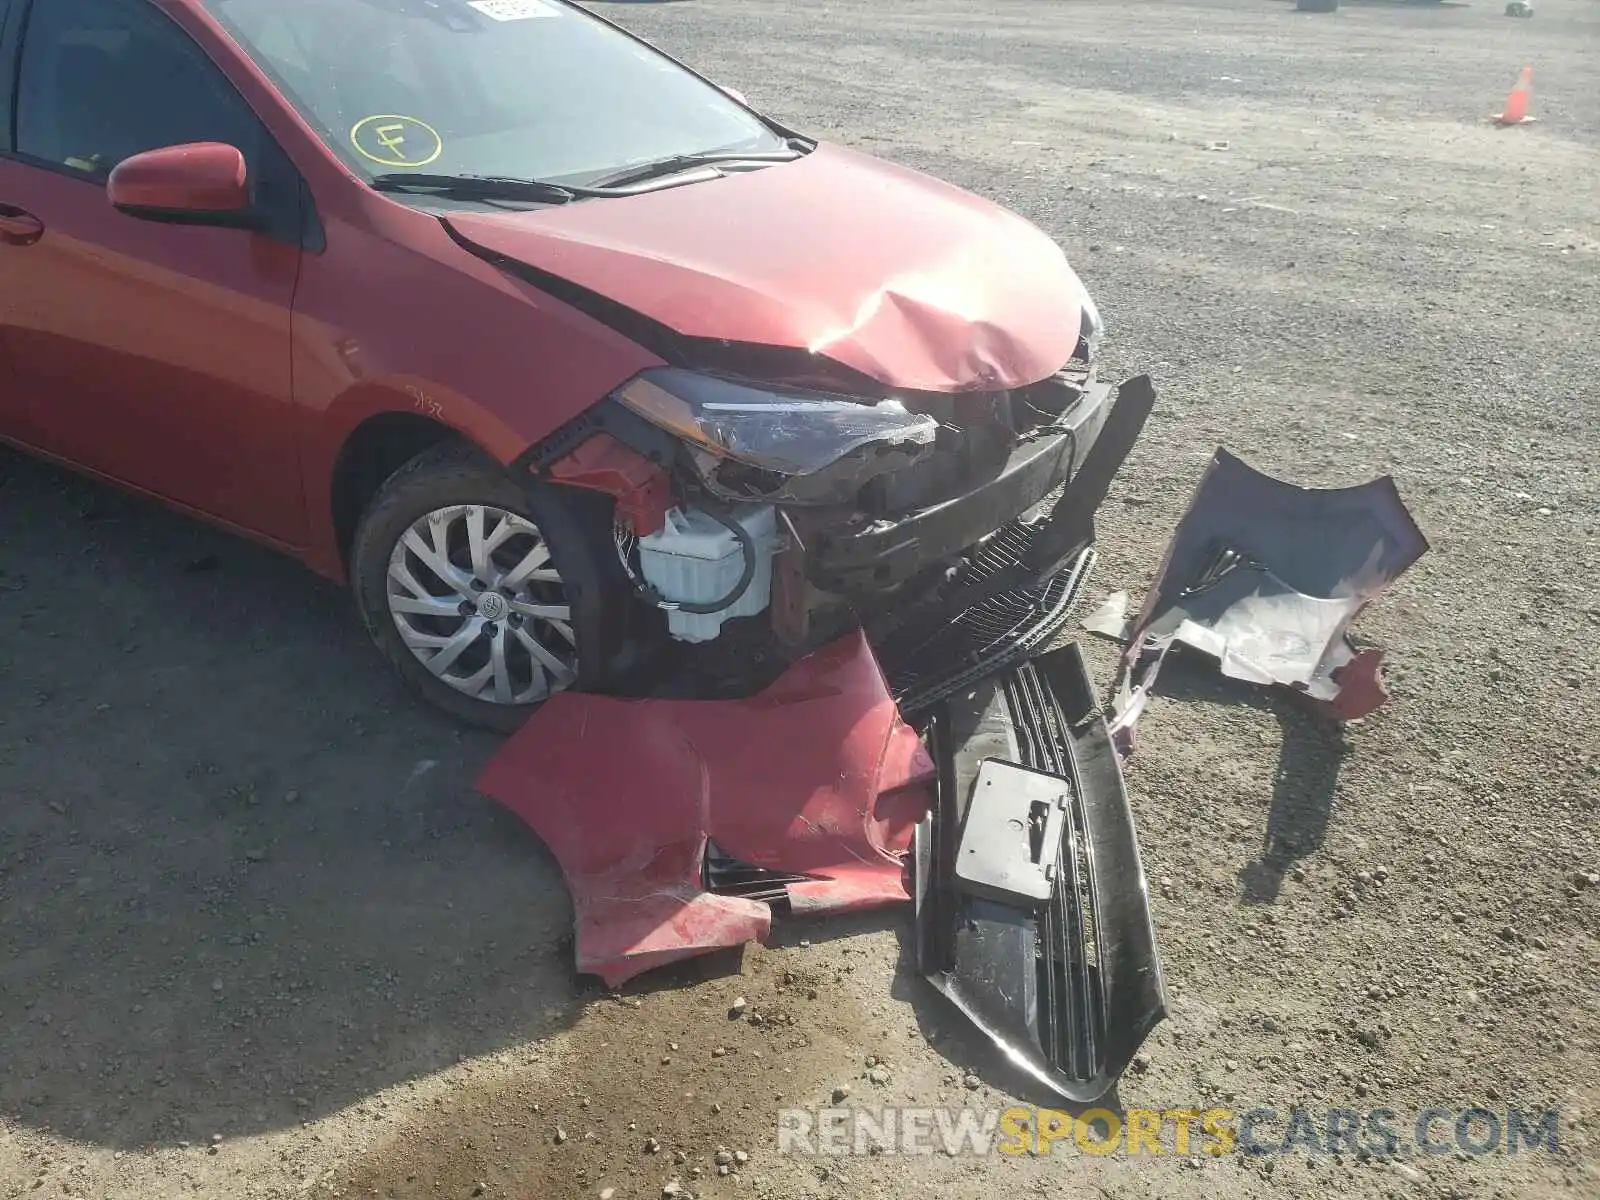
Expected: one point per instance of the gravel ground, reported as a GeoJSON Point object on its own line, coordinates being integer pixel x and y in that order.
{"type": "Point", "coordinates": [259, 938]}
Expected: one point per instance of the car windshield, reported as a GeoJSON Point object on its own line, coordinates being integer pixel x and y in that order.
{"type": "Point", "coordinates": [533, 89]}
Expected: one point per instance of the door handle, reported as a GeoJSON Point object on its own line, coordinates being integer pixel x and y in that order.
{"type": "Point", "coordinates": [18, 226]}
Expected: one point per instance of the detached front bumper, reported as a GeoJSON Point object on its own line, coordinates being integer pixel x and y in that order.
{"type": "Point", "coordinates": [815, 796]}
{"type": "Point", "coordinates": [1033, 916]}
{"type": "Point", "coordinates": [849, 780]}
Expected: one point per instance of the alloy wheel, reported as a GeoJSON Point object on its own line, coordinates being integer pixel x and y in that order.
{"type": "Point", "coordinates": [477, 599]}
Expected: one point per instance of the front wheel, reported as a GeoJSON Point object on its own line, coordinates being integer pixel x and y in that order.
{"type": "Point", "coordinates": [488, 595]}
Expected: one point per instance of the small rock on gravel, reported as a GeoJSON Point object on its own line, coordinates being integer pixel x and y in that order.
{"type": "Point", "coordinates": [972, 1082]}
{"type": "Point", "coordinates": [737, 1007]}
{"type": "Point", "coordinates": [840, 1093]}
{"type": "Point", "coordinates": [561, 1136]}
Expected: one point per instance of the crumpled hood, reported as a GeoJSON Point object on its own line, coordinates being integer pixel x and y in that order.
{"type": "Point", "coordinates": [905, 279]}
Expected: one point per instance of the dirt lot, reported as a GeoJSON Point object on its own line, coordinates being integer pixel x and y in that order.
{"type": "Point", "coordinates": [247, 893]}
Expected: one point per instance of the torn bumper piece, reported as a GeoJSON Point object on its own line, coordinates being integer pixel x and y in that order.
{"type": "Point", "coordinates": [677, 822]}
{"type": "Point", "coordinates": [1033, 916]}
{"type": "Point", "coordinates": [1266, 577]}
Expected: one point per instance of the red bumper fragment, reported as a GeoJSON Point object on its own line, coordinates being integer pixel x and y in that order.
{"type": "Point", "coordinates": [817, 777]}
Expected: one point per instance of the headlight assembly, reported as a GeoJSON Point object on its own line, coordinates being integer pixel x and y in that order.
{"type": "Point", "coordinates": [803, 447]}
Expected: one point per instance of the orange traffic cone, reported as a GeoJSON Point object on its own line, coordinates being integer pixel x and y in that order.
{"type": "Point", "coordinates": [1516, 112]}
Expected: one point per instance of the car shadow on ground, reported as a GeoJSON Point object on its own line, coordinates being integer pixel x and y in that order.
{"type": "Point", "coordinates": [244, 878]}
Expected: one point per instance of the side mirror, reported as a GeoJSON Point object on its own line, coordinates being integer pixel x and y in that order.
{"type": "Point", "coordinates": [198, 183]}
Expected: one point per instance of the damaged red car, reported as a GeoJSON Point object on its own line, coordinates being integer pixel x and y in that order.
{"type": "Point", "coordinates": [609, 394]}
{"type": "Point", "coordinates": [567, 359]}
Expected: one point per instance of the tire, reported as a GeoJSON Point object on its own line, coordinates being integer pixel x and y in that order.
{"type": "Point", "coordinates": [438, 619]}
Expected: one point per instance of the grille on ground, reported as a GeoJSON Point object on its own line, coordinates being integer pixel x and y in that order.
{"type": "Point", "coordinates": [1071, 1005]}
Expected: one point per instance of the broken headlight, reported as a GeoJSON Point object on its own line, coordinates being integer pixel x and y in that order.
{"type": "Point", "coordinates": [757, 441]}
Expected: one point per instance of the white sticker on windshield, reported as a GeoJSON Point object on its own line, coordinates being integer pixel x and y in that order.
{"type": "Point", "coordinates": [514, 10]}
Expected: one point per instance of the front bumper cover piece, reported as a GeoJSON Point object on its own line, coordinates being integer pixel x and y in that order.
{"type": "Point", "coordinates": [1267, 577]}
{"type": "Point", "coordinates": [678, 823]}
{"type": "Point", "coordinates": [1033, 916]}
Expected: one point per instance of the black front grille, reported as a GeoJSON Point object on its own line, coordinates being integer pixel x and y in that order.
{"type": "Point", "coordinates": [1072, 1011]}
{"type": "Point", "coordinates": [934, 654]}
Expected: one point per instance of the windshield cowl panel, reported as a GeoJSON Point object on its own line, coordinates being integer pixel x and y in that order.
{"type": "Point", "coordinates": [526, 89]}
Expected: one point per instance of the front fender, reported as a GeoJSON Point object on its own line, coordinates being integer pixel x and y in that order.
{"type": "Point", "coordinates": [396, 317]}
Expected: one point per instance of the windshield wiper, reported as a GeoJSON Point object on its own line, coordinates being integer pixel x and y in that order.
{"type": "Point", "coordinates": [640, 172]}
{"type": "Point", "coordinates": [481, 187]}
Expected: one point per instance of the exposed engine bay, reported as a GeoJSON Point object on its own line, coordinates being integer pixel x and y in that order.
{"type": "Point", "coordinates": [762, 521]}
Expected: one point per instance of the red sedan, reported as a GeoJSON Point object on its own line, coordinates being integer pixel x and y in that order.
{"type": "Point", "coordinates": [578, 369]}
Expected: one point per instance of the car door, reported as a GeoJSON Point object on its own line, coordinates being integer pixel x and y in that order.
{"type": "Point", "coordinates": [155, 353]}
